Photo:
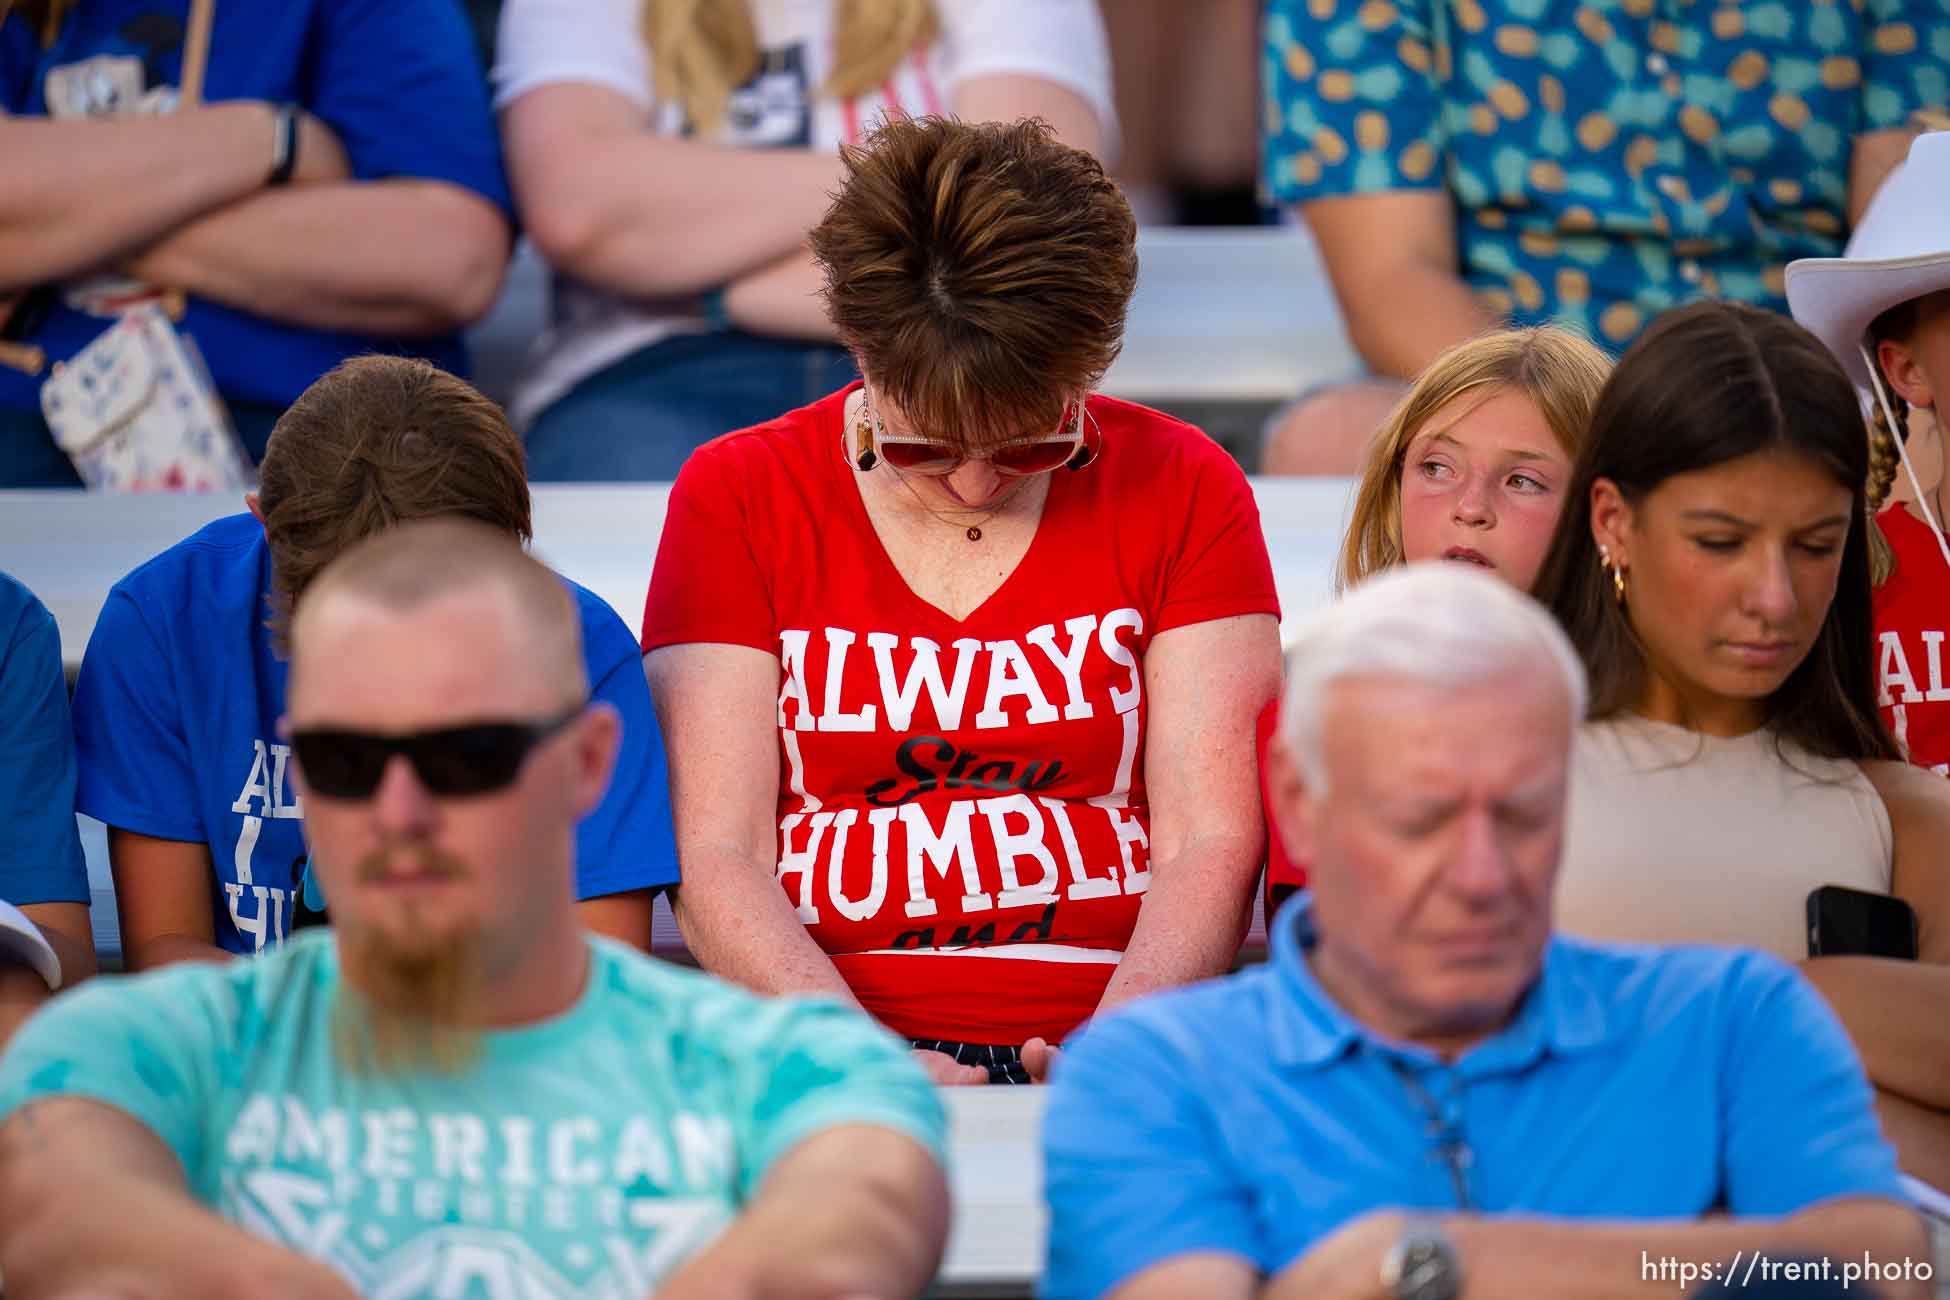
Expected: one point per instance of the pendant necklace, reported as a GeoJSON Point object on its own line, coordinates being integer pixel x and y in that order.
{"type": "Point", "coordinates": [973, 531]}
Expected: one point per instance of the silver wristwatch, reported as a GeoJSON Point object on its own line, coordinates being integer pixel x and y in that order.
{"type": "Point", "coordinates": [1422, 1264]}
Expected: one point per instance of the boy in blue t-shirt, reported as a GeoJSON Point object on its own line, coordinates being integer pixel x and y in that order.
{"type": "Point", "coordinates": [338, 191]}
{"type": "Point", "coordinates": [41, 870]}
{"type": "Point", "coordinates": [456, 1092]}
{"type": "Point", "coordinates": [183, 681]}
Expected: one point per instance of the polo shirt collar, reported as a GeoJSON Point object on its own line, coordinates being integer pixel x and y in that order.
{"type": "Point", "coordinates": [1306, 1028]}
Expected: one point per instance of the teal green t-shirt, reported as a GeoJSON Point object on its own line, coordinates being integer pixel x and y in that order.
{"type": "Point", "coordinates": [585, 1156]}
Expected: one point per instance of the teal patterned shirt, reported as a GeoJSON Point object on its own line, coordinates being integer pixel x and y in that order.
{"type": "Point", "coordinates": [1608, 158]}
{"type": "Point", "coordinates": [580, 1158]}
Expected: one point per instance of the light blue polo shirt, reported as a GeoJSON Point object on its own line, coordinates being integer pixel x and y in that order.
{"type": "Point", "coordinates": [1252, 1115]}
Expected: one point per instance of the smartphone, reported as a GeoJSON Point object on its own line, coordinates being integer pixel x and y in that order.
{"type": "Point", "coordinates": [1853, 922]}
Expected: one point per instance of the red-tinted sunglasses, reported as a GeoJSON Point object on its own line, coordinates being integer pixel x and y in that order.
{"type": "Point", "coordinates": [1040, 455]}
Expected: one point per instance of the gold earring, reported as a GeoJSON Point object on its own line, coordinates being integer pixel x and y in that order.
{"type": "Point", "coordinates": [863, 435]}
{"type": "Point", "coordinates": [1617, 572]}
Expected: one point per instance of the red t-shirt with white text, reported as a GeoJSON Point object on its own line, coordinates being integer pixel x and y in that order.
{"type": "Point", "coordinates": [963, 821]}
{"type": "Point", "coordinates": [1912, 613]}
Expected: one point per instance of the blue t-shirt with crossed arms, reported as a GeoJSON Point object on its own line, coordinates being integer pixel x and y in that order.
{"type": "Point", "coordinates": [176, 715]}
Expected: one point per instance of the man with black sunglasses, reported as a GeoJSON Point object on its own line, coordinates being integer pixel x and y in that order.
{"type": "Point", "coordinates": [1424, 1094]}
{"type": "Point", "coordinates": [457, 1091]}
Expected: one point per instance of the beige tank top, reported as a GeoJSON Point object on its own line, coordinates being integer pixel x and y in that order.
{"type": "Point", "coordinates": [1678, 837]}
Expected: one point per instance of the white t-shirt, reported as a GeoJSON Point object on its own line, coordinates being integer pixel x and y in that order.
{"type": "Point", "coordinates": [543, 42]}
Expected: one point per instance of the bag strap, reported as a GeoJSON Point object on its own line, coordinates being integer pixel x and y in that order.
{"type": "Point", "coordinates": [196, 53]}
{"type": "Point", "coordinates": [189, 94]}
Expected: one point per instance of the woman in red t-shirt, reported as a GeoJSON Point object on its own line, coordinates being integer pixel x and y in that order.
{"type": "Point", "coordinates": [1884, 311]}
{"type": "Point", "coordinates": [958, 667]}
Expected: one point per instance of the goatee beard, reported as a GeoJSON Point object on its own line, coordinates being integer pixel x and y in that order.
{"type": "Point", "coordinates": [411, 993]}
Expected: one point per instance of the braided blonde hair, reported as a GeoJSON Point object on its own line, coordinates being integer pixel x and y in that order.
{"type": "Point", "coordinates": [1884, 461]}
{"type": "Point", "coordinates": [705, 49]}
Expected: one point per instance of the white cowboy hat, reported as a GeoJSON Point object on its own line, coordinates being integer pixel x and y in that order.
{"type": "Point", "coordinates": [1900, 250]}
{"type": "Point", "coordinates": [21, 938]}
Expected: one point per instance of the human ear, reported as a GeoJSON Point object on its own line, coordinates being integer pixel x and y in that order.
{"type": "Point", "coordinates": [1904, 373]}
{"type": "Point", "coordinates": [598, 738]}
{"type": "Point", "coordinates": [1611, 519]}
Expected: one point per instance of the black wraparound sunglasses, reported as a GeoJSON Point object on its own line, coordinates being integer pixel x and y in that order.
{"type": "Point", "coordinates": [475, 758]}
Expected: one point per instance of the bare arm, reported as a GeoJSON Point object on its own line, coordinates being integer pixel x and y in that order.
{"type": "Point", "coordinates": [1213, 1276]}
{"type": "Point", "coordinates": [1392, 258]}
{"type": "Point", "coordinates": [397, 257]}
{"type": "Point", "coordinates": [1897, 1014]}
{"type": "Point", "coordinates": [22, 990]}
{"type": "Point", "coordinates": [22, 993]}
{"type": "Point", "coordinates": [80, 194]}
{"type": "Point", "coordinates": [1515, 1258]}
{"type": "Point", "coordinates": [783, 298]}
{"type": "Point", "coordinates": [854, 1211]}
{"type": "Point", "coordinates": [65, 927]}
{"type": "Point", "coordinates": [715, 704]}
{"type": "Point", "coordinates": [624, 917]}
{"type": "Point", "coordinates": [649, 215]}
{"type": "Point", "coordinates": [1870, 160]}
{"type": "Point", "coordinates": [1207, 833]}
{"type": "Point", "coordinates": [97, 1206]}
{"type": "Point", "coordinates": [1918, 803]}
{"type": "Point", "coordinates": [162, 898]}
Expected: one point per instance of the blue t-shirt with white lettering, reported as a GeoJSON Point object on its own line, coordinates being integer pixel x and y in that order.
{"type": "Point", "coordinates": [40, 854]}
{"type": "Point", "coordinates": [398, 81]}
{"type": "Point", "coordinates": [176, 715]}
{"type": "Point", "coordinates": [583, 1157]}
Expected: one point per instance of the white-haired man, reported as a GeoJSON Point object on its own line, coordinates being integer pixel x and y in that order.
{"type": "Point", "coordinates": [457, 1092]}
{"type": "Point", "coordinates": [1423, 1089]}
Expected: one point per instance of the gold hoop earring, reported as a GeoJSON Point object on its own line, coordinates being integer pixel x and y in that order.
{"type": "Point", "coordinates": [1617, 572]}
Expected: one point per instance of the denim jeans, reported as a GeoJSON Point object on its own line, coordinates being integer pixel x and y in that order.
{"type": "Point", "coordinates": [30, 459]}
{"type": "Point", "coordinates": [640, 418]}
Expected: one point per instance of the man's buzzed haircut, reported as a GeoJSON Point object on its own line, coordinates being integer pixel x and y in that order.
{"type": "Point", "coordinates": [417, 563]}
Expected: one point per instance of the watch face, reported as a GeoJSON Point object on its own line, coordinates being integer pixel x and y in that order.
{"type": "Point", "coordinates": [1425, 1268]}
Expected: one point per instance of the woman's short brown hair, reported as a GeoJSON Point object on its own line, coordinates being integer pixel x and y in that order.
{"type": "Point", "coordinates": [979, 272]}
{"type": "Point", "coordinates": [375, 442]}
{"type": "Point", "coordinates": [1559, 371]}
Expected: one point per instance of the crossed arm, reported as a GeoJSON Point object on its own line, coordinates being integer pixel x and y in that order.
{"type": "Point", "coordinates": [181, 201]}
{"type": "Point", "coordinates": [1898, 1012]}
{"type": "Point", "coordinates": [659, 217]}
{"type": "Point", "coordinates": [853, 1212]}
{"type": "Point", "coordinates": [1518, 1258]}
{"type": "Point", "coordinates": [97, 1205]}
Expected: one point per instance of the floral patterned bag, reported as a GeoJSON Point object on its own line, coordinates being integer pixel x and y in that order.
{"type": "Point", "coordinates": [135, 411]}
